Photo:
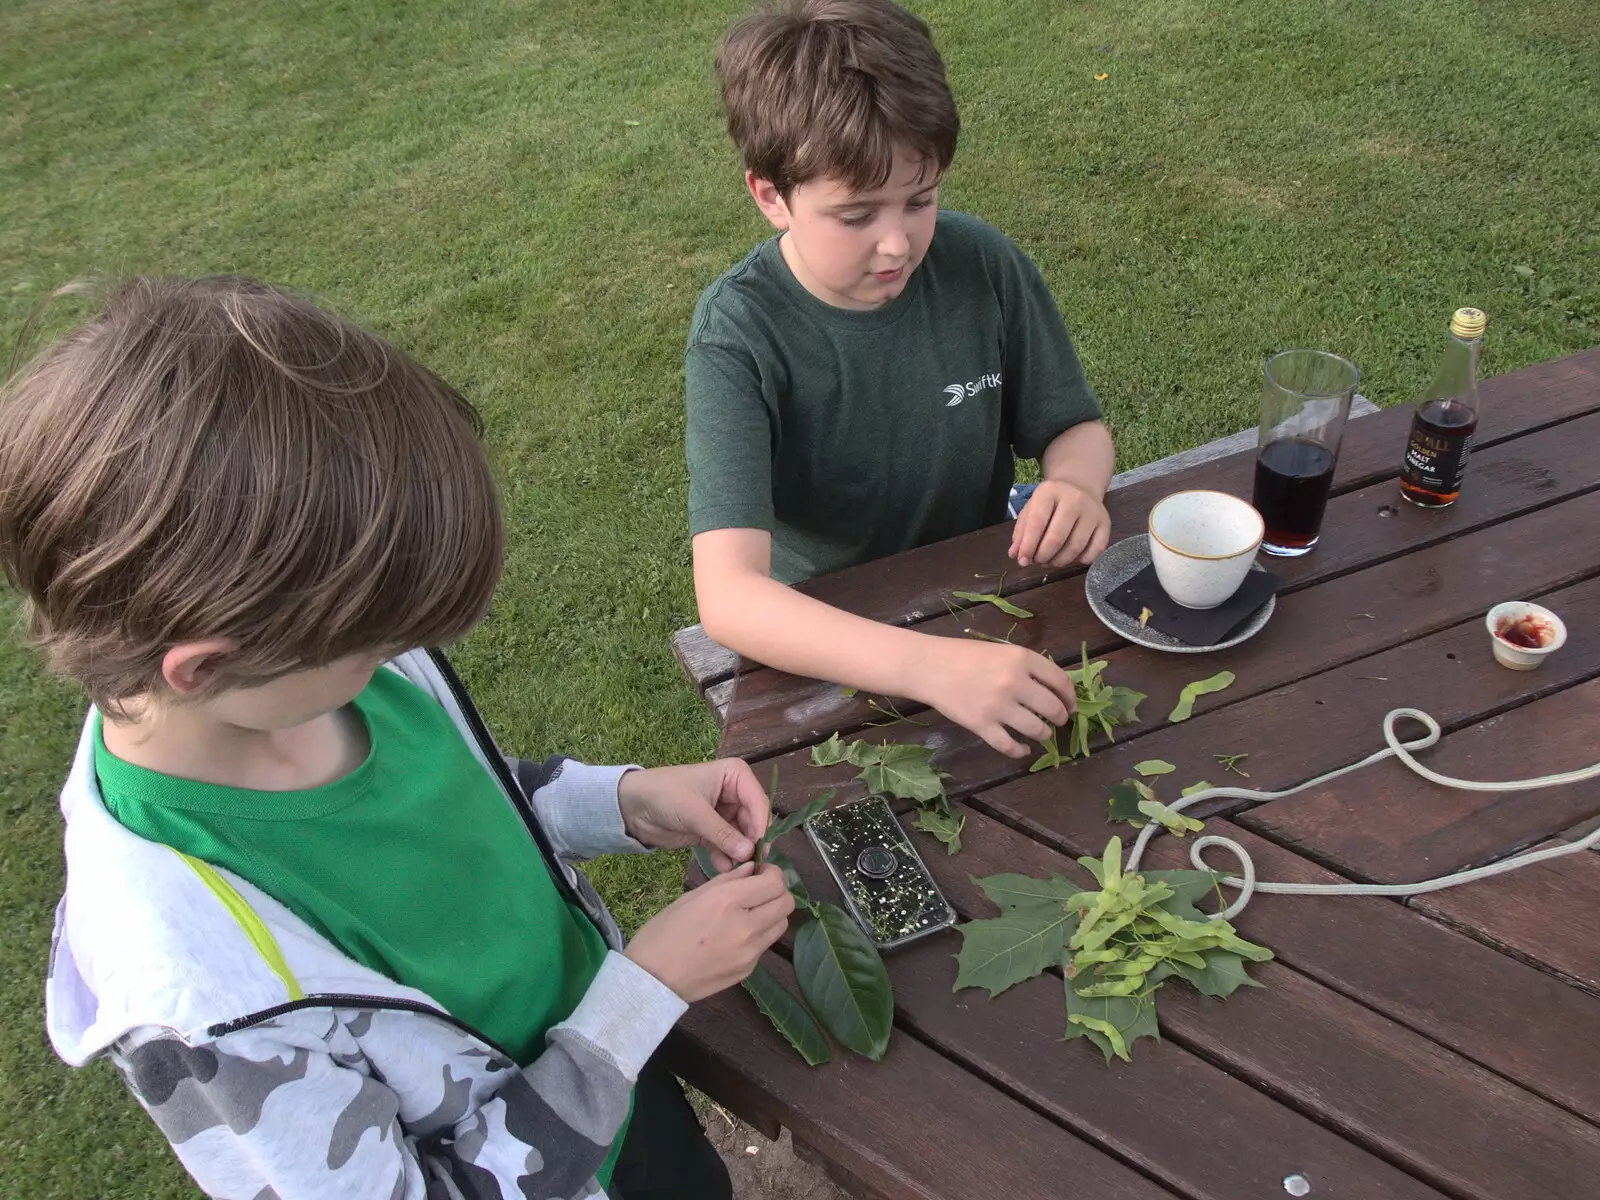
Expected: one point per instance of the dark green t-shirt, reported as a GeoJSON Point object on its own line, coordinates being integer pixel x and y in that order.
{"type": "Point", "coordinates": [414, 864]}
{"type": "Point", "coordinates": [852, 435]}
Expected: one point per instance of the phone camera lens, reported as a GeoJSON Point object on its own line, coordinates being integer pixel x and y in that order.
{"type": "Point", "coordinates": [877, 862]}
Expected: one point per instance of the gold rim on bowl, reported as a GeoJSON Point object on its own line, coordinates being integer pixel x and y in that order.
{"type": "Point", "coordinates": [1150, 526]}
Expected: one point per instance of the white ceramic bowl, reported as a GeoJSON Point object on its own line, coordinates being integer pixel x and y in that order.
{"type": "Point", "coordinates": [1202, 544]}
{"type": "Point", "coordinates": [1524, 658]}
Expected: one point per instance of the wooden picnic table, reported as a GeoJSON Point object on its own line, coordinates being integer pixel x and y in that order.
{"type": "Point", "coordinates": [1443, 1046]}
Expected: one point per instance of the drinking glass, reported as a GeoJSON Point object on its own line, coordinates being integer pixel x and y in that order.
{"type": "Point", "coordinates": [1303, 411]}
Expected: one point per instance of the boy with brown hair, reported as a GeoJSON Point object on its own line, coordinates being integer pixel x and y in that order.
{"type": "Point", "coordinates": [330, 937]}
{"type": "Point", "coordinates": [859, 384]}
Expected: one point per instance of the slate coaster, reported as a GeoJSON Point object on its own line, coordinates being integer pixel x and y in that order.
{"type": "Point", "coordinates": [1193, 626]}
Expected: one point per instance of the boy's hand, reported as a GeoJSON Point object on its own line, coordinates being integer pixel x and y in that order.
{"type": "Point", "coordinates": [1061, 524]}
{"type": "Point", "coordinates": [711, 938]}
{"type": "Point", "coordinates": [718, 805]}
{"type": "Point", "coordinates": [992, 689]}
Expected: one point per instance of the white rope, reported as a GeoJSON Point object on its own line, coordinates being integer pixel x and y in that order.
{"type": "Point", "coordinates": [1248, 885]}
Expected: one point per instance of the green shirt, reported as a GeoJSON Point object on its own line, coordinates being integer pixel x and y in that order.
{"type": "Point", "coordinates": [415, 865]}
{"type": "Point", "coordinates": [853, 435]}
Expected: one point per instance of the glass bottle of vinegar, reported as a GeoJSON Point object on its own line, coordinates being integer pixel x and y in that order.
{"type": "Point", "coordinates": [1446, 418]}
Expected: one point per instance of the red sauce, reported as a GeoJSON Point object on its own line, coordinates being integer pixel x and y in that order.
{"type": "Point", "coordinates": [1528, 632]}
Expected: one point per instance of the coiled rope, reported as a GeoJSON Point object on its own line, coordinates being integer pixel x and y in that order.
{"type": "Point", "coordinates": [1248, 885]}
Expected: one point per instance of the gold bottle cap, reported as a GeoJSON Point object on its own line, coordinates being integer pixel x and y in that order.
{"type": "Point", "coordinates": [1468, 323]}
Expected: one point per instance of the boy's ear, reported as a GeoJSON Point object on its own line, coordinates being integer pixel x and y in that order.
{"type": "Point", "coordinates": [769, 200]}
{"type": "Point", "coordinates": [188, 667]}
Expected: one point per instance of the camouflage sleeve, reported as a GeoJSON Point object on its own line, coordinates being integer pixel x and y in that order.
{"type": "Point", "coordinates": [390, 1105]}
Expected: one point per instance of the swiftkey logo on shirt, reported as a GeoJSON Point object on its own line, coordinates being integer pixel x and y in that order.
{"type": "Point", "coordinates": [961, 391]}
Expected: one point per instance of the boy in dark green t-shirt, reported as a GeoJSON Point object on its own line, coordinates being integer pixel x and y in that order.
{"type": "Point", "coordinates": [860, 384]}
{"type": "Point", "coordinates": [332, 939]}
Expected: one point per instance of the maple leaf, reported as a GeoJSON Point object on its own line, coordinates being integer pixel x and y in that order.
{"type": "Point", "coordinates": [829, 753]}
{"type": "Point", "coordinates": [1024, 891]}
{"type": "Point", "coordinates": [903, 771]}
{"type": "Point", "coordinates": [1222, 975]}
{"type": "Point", "coordinates": [1013, 947]}
{"type": "Point", "coordinates": [945, 827]}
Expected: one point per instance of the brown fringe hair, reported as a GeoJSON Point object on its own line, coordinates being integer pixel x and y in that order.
{"type": "Point", "coordinates": [220, 458]}
{"type": "Point", "coordinates": [831, 88]}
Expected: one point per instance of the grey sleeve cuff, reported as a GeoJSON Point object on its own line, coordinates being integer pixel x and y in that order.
{"type": "Point", "coordinates": [577, 805]}
{"type": "Point", "coordinates": [625, 1014]}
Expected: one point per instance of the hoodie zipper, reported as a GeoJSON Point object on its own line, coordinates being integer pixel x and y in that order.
{"type": "Point", "coordinates": [522, 804]}
{"type": "Point", "coordinates": [374, 1003]}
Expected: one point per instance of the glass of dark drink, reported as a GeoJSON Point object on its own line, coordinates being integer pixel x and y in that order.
{"type": "Point", "coordinates": [1303, 411]}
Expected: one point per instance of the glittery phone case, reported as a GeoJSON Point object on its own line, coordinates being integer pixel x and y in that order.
{"type": "Point", "coordinates": [885, 884]}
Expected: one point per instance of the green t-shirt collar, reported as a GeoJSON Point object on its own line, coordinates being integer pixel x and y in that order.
{"type": "Point", "coordinates": [120, 778]}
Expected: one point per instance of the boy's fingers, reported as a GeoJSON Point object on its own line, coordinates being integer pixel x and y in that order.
{"type": "Point", "coordinates": [1062, 523]}
{"type": "Point", "coordinates": [755, 809]}
{"type": "Point", "coordinates": [1058, 681]}
{"type": "Point", "coordinates": [1026, 723]}
{"type": "Point", "coordinates": [773, 911]}
{"type": "Point", "coordinates": [1031, 525]}
{"type": "Point", "coordinates": [1097, 544]}
{"type": "Point", "coordinates": [1040, 701]}
{"type": "Point", "coordinates": [717, 835]}
{"type": "Point", "coordinates": [1002, 741]}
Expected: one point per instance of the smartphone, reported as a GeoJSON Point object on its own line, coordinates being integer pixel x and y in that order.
{"type": "Point", "coordinates": [886, 886]}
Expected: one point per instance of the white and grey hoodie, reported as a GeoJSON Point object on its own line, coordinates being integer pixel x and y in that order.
{"type": "Point", "coordinates": [280, 1068]}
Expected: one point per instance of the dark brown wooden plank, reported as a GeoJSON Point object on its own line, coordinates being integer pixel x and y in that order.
{"type": "Point", "coordinates": [1376, 1081]}
{"type": "Point", "coordinates": [1389, 825]}
{"type": "Point", "coordinates": [1288, 708]}
{"type": "Point", "coordinates": [772, 710]}
{"type": "Point", "coordinates": [909, 586]}
{"type": "Point", "coordinates": [913, 1127]}
{"type": "Point", "coordinates": [1016, 1041]}
{"type": "Point", "coordinates": [1545, 914]}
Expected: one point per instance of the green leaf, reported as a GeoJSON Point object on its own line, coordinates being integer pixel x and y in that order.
{"type": "Point", "coordinates": [1024, 891]}
{"type": "Point", "coordinates": [1123, 705]}
{"type": "Point", "coordinates": [1174, 823]}
{"type": "Point", "coordinates": [945, 827]}
{"type": "Point", "coordinates": [1013, 947]}
{"type": "Point", "coordinates": [789, 1016]}
{"type": "Point", "coordinates": [829, 753]}
{"type": "Point", "coordinates": [1131, 1018]}
{"type": "Point", "coordinates": [792, 821]}
{"type": "Point", "coordinates": [1154, 766]}
{"type": "Point", "coordinates": [1123, 803]}
{"type": "Point", "coordinates": [1188, 889]}
{"type": "Point", "coordinates": [848, 692]}
{"type": "Point", "coordinates": [1195, 788]}
{"type": "Point", "coordinates": [864, 753]}
{"type": "Point", "coordinates": [1004, 605]}
{"type": "Point", "coordinates": [702, 859]}
{"type": "Point", "coordinates": [1050, 758]}
{"type": "Point", "coordinates": [844, 981]}
{"type": "Point", "coordinates": [903, 771]}
{"type": "Point", "coordinates": [1193, 691]}
{"type": "Point", "coordinates": [791, 877]}
{"type": "Point", "coordinates": [1222, 975]}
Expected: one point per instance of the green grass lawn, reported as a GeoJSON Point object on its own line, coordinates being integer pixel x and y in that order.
{"type": "Point", "coordinates": [529, 197]}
